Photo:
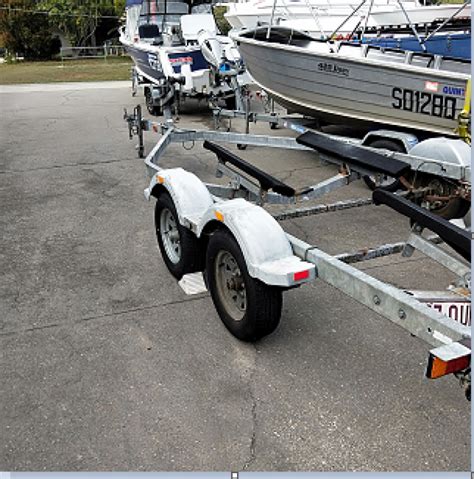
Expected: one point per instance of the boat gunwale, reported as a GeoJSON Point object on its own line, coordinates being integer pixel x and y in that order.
{"type": "Point", "coordinates": [334, 56]}
{"type": "Point", "coordinates": [150, 48]}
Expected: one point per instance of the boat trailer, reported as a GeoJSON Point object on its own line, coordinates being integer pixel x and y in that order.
{"type": "Point", "coordinates": [215, 237]}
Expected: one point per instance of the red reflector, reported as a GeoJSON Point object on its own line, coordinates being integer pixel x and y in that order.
{"type": "Point", "coordinates": [438, 368]}
{"type": "Point", "coordinates": [300, 275]}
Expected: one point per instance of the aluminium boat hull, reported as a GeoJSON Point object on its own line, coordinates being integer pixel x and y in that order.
{"type": "Point", "coordinates": [349, 87]}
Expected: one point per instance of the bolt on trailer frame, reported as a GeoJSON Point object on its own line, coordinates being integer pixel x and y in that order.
{"type": "Point", "coordinates": [202, 226]}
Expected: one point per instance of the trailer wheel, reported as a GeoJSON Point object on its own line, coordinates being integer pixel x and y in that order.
{"type": "Point", "coordinates": [450, 209]}
{"type": "Point", "coordinates": [230, 103]}
{"type": "Point", "coordinates": [455, 208]}
{"type": "Point", "coordinates": [382, 181]}
{"type": "Point", "coordinates": [179, 247]}
{"type": "Point", "coordinates": [152, 109]}
{"type": "Point", "coordinates": [248, 308]}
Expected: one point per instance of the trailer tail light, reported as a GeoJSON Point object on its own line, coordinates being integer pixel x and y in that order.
{"type": "Point", "coordinates": [452, 358]}
{"type": "Point", "coordinates": [300, 275]}
{"type": "Point", "coordinates": [437, 367]}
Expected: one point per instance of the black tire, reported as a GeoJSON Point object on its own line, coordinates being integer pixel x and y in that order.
{"type": "Point", "coordinates": [230, 103]}
{"type": "Point", "coordinates": [152, 109]}
{"type": "Point", "coordinates": [241, 147]}
{"type": "Point", "coordinates": [455, 208]}
{"type": "Point", "coordinates": [371, 181]}
{"type": "Point", "coordinates": [179, 259]}
{"type": "Point", "coordinates": [259, 313]}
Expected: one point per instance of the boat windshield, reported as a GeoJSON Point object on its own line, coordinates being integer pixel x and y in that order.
{"type": "Point", "coordinates": [155, 8]}
{"type": "Point", "coordinates": [165, 14]}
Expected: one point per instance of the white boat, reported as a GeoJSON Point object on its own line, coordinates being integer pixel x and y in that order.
{"type": "Point", "coordinates": [324, 17]}
{"type": "Point", "coordinates": [178, 51]}
{"type": "Point", "coordinates": [417, 14]}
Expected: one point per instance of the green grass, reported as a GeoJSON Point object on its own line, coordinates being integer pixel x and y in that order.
{"type": "Point", "coordinates": [114, 68]}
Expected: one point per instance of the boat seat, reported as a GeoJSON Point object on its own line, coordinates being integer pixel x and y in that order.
{"type": "Point", "coordinates": [266, 181]}
{"type": "Point", "coordinates": [354, 155]}
{"type": "Point", "coordinates": [457, 238]}
{"type": "Point", "coordinates": [148, 30]}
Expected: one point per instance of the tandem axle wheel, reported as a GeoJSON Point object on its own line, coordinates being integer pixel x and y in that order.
{"type": "Point", "coordinates": [248, 308]}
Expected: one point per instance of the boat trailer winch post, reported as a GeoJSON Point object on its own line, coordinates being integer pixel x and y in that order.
{"type": "Point", "coordinates": [450, 339]}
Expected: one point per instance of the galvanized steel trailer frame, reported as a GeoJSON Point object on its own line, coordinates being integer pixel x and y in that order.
{"type": "Point", "coordinates": [450, 339]}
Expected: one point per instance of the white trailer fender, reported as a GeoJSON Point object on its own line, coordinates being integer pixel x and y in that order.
{"type": "Point", "coordinates": [407, 140]}
{"type": "Point", "coordinates": [265, 247]}
{"type": "Point", "coordinates": [191, 198]}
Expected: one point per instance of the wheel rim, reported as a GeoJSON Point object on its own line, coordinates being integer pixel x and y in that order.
{"type": "Point", "coordinates": [382, 181]}
{"type": "Point", "coordinates": [170, 235]}
{"type": "Point", "coordinates": [230, 285]}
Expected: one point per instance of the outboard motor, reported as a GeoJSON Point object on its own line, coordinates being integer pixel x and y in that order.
{"type": "Point", "coordinates": [211, 49]}
{"type": "Point", "coordinates": [220, 52]}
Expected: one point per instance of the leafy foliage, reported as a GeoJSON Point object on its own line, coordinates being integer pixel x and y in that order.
{"type": "Point", "coordinates": [222, 23]}
{"type": "Point", "coordinates": [79, 20]}
{"type": "Point", "coordinates": [28, 35]}
{"type": "Point", "coordinates": [119, 6]}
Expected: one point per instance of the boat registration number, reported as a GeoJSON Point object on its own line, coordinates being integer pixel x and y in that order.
{"type": "Point", "coordinates": [154, 62]}
{"type": "Point", "coordinates": [425, 103]}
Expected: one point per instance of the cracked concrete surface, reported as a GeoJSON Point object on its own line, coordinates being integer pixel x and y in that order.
{"type": "Point", "coordinates": [250, 373]}
{"type": "Point", "coordinates": [106, 365]}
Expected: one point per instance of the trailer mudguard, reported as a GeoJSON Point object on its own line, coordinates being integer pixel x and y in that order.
{"type": "Point", "coordinates": [406, 140]}
{"type": "Point", "coordinates": [265, 247]}
{"type": "Point", "coordinates": [191, 198]}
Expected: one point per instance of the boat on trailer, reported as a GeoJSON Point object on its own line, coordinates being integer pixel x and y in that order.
{"type": "Point", "coordinates": [178, 51]}
{"type": "Point", "coordinates": [343, 82]}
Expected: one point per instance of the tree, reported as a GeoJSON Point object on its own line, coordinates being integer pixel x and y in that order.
{"type": "Point", "coordinates": [78, 20]}
{"type": "Point", "coordinates": [119, 6]}
{"type": "Point", "coordinates": [28, 34]}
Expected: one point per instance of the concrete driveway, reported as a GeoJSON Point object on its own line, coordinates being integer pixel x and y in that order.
{"type": "Point", "coordinates": [107, 365]}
